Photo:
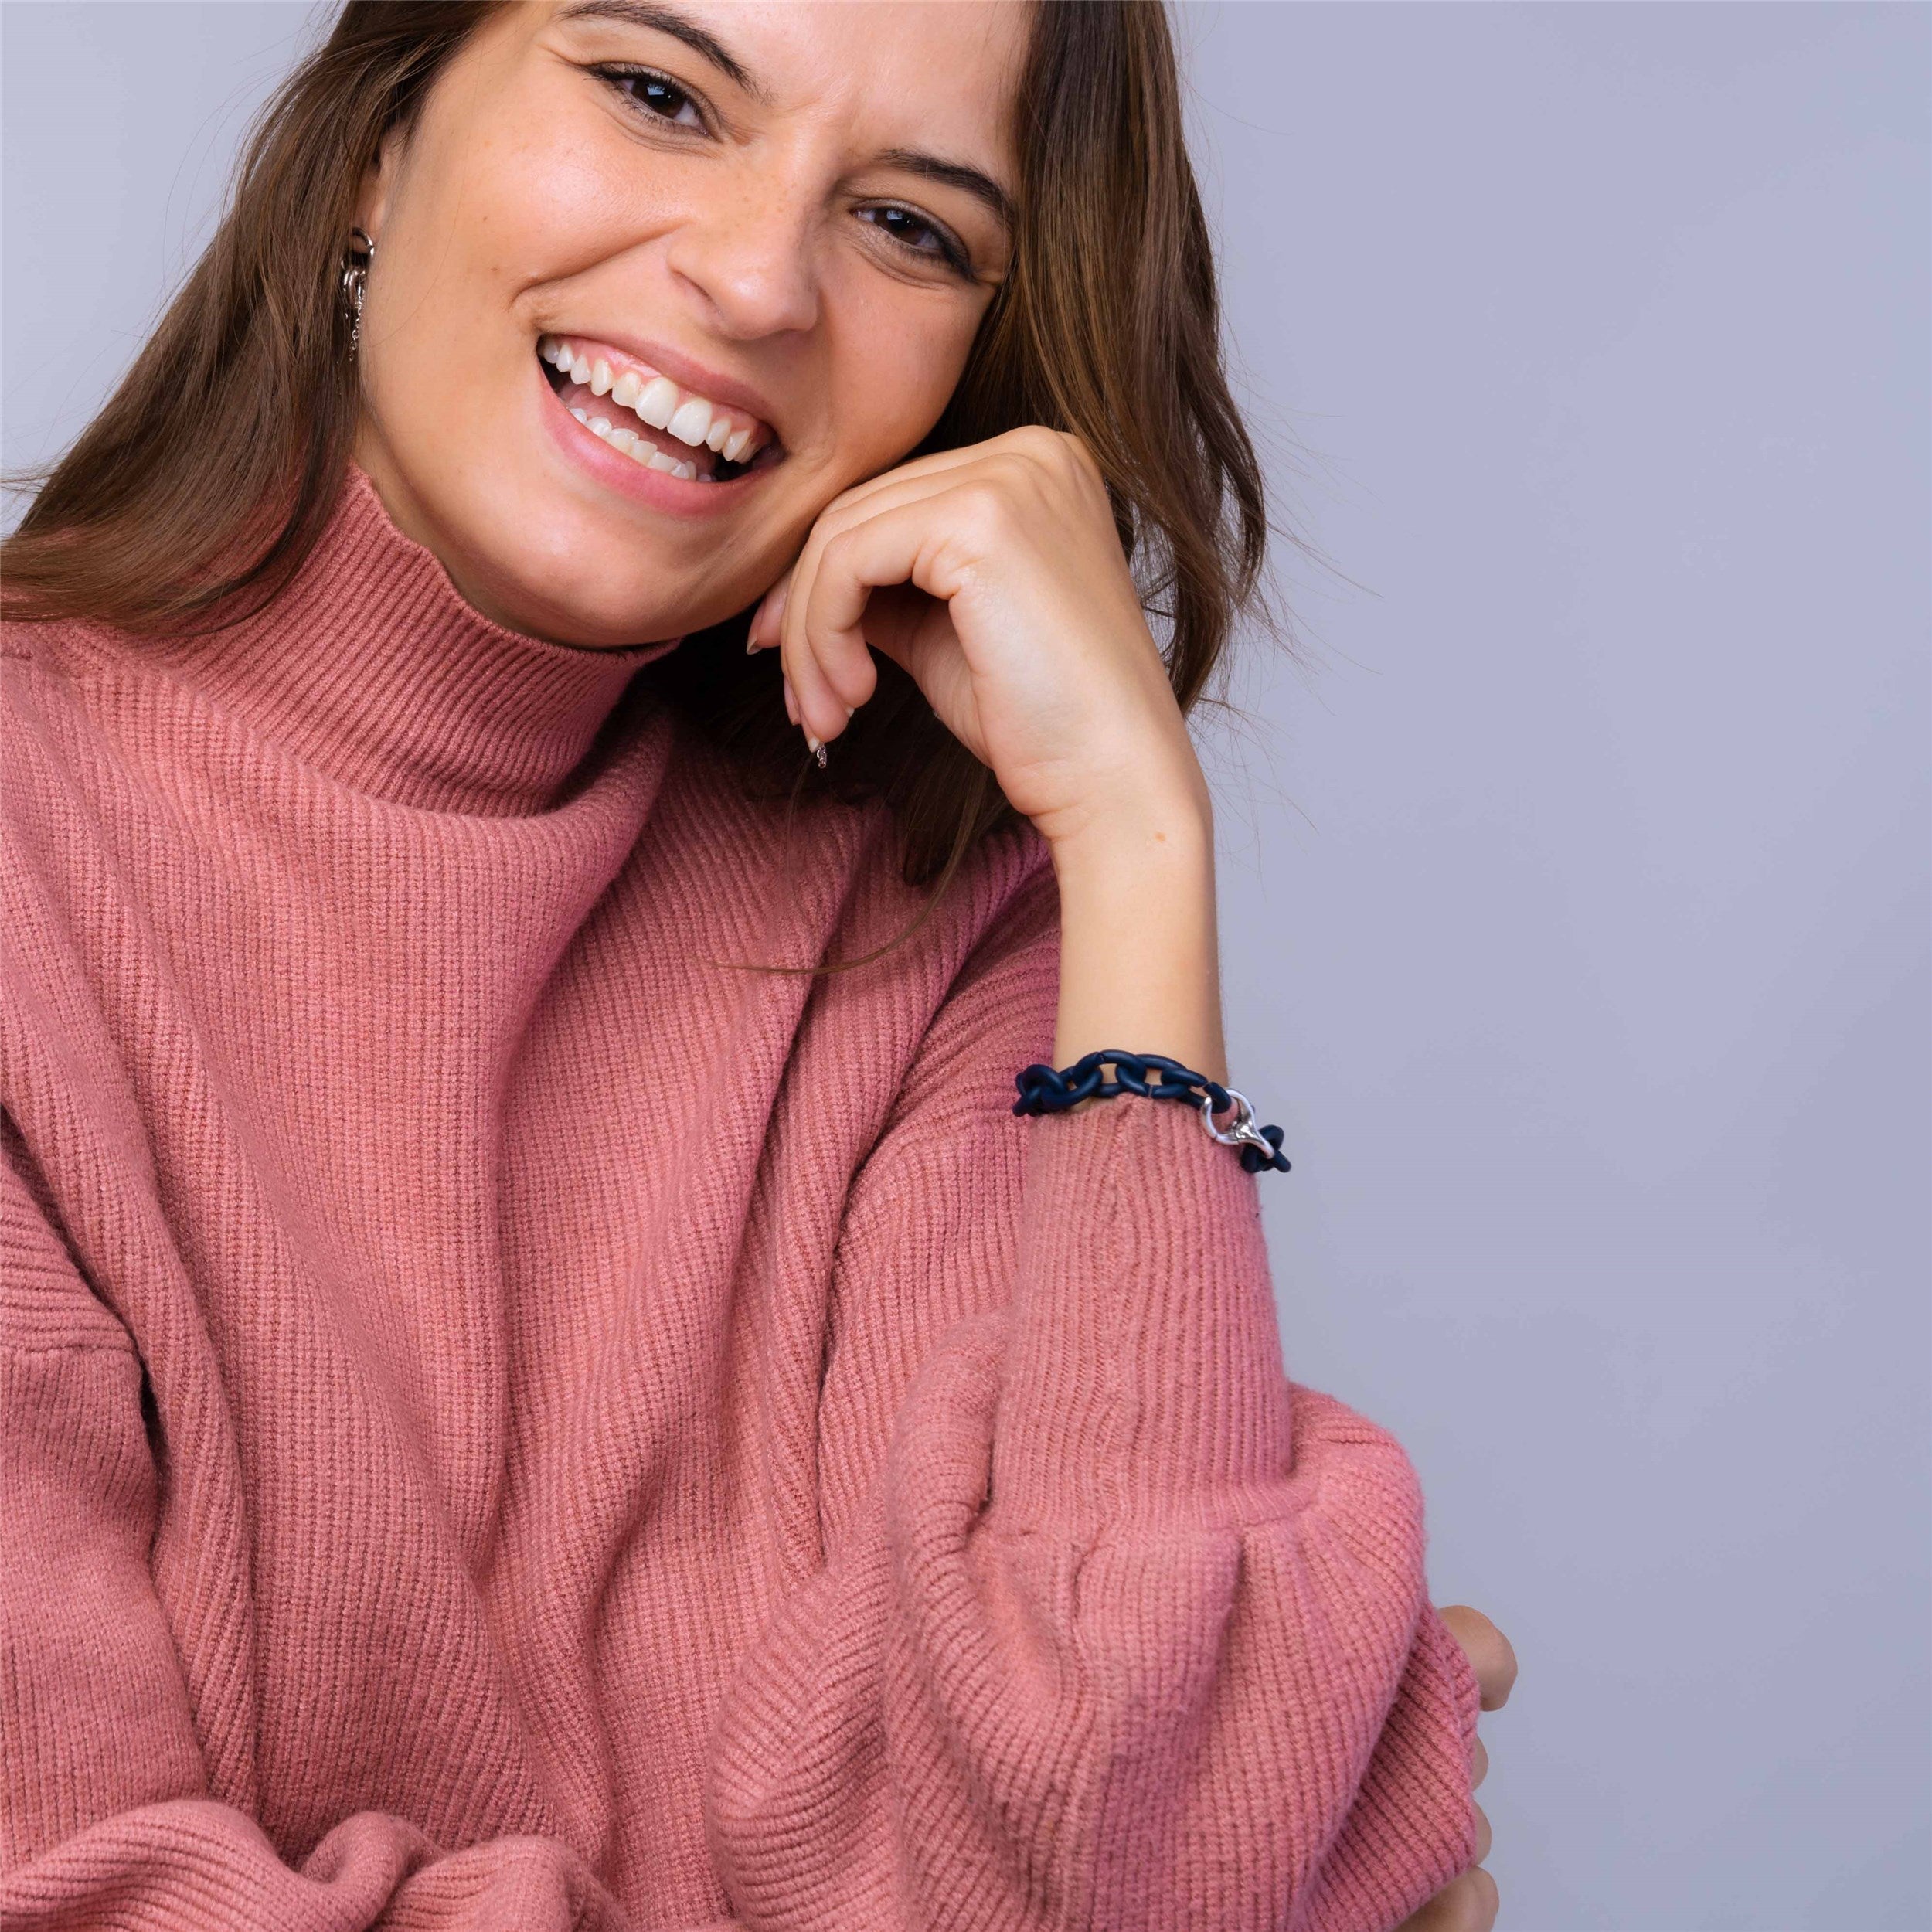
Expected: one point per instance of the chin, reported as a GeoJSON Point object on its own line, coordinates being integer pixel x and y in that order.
{"type": "Point", "coordinates": [565, 619]}
{"type": "Point", "coordinates": [555, 587]}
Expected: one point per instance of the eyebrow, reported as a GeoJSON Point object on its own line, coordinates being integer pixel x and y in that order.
{"type": "Point", "coordinates": [957, 174]}
{"type": "Point", "coordinates": [654, 15]}
{"type": "Point", "coordinates": [651, 14]}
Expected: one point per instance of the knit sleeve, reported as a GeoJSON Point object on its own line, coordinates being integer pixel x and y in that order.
{"type": "Point", "coordinates": [107, 1814]}
{"type": "Point", "coordinates": [1117, 1625]}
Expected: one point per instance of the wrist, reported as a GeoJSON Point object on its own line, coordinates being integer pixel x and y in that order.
{"type": "Point", "coordinates": [1156, 832]}
{"type": "Point", "coordinates": [1138, 969]}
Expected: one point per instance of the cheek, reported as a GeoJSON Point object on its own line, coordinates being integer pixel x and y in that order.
{"type": "Point", "coordinates": [510, 212]}
{"type": "Point", "coordinates": [553, 210]}
{"type": "Point", "coordinates": [900, 356]}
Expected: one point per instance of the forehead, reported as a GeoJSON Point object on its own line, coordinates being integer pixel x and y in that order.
{"type": "Point", "coordinates": [884, 71]}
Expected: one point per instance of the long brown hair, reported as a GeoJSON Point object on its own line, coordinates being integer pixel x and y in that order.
{"type": "Point", "coordinates": [200, 487]}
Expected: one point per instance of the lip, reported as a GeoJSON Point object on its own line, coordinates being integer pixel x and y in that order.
{"type": "Point", "coordinates": [711, 383]}
{"type": "Point", "coordinates": [656, 489]}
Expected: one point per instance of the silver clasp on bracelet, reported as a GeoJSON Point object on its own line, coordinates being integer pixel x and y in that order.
{"type": "Point", "coordinates": [1244, 1131]}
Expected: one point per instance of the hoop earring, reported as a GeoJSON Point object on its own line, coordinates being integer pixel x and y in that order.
{"type": "Point", "coordinates": [356, 259]}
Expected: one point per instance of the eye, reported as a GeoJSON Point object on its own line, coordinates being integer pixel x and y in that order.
{"type": "Point", "coordinates": [948, 250]}
{"type": "Point", "coordinates": [655, 95]}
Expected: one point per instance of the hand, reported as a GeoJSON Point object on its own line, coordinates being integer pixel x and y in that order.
{"type": "Point", "coordinates": [1468, 1903]}
{"type": "Point", "coordinates": [994, 576]}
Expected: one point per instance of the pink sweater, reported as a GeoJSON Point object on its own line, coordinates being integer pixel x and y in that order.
{"type": "Point", "coordinates": [511, 1422]}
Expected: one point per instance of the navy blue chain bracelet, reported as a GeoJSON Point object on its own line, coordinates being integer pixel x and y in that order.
{"type": "Point", "coordinates": [1044, 1090]}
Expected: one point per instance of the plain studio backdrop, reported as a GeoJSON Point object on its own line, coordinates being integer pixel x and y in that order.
{"type": "Point", "coordinates": [1574, 882]}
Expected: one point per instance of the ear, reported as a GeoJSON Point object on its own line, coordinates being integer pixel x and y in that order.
{"type": "Point", "coordinates": [378, 184]}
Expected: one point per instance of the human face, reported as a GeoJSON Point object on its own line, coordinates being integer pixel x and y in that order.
{"type": "Point", "coordinates": [749, 223]}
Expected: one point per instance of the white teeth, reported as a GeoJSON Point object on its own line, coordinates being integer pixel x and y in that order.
{"type": "Point", "coordinates": [634, 447]}
{"type": "Point", "coordinates": [659, 398]}
{"type": "Point", "coordinates": [658, 401]}
{"type": "Point", "coordinates": [691, 422]}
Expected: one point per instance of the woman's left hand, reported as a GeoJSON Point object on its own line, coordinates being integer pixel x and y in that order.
{"type": "Point", "coordinates": [995, 576]}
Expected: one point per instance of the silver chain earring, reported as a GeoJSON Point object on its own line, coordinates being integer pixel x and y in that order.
{"type": "Point", "coordinates": [356, 259]}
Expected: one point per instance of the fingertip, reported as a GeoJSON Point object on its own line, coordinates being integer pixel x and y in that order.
{"type": "Point", "coordinates": [1499, 1679]}
{"type": "Point", "coordinates": [1486, 1898]}
{"type": "Point", "coordinates": [1511, 1685]}
{"type": "Point", "coordinates": [1468, 1903]}
{"type": "Point", "coordinates": [1490, 1654]}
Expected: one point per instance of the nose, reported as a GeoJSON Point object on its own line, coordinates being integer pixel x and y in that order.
{"type": "Point", "coordinates": [749, 255]}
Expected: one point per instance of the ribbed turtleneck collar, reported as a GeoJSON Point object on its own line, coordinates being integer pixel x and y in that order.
{"type": "Point", "coordinates": [371, 667]}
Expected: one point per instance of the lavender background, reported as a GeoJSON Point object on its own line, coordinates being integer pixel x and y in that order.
{"type": "Point", "coordinates": [1575, 885]}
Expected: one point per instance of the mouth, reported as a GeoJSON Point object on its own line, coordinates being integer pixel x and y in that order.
{"type": "Point", "coordinates": [646, 417]}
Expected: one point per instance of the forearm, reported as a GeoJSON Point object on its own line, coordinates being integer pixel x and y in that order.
{"type": "Point", "coordinates": [1139, 953]}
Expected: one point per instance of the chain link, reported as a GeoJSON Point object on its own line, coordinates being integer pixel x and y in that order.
{"type": "Point", "coordinates": [1046, 1090]}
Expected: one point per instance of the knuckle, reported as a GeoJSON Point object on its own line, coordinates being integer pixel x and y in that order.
{"type": "Point", "coordinates": [833, 520]}
{"type": "Point", "coordinates": [832, 524]}
{"type": "Point", "coordinates": [1037, 456]}
{"type": "Point", "coordinates": [853, 676]}
{"type": "Point", "coordinates": [1076, 449]}
{"type": "Point", "coordinates": [1032, 439]}
{"type": "Point", "coordinates": [987, 506]}
{"type": "Point", "coordinates": [1063, 454]}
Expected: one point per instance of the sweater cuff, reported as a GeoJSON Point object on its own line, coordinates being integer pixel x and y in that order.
{"type": "Point", "coordinates": [1144, 1375]}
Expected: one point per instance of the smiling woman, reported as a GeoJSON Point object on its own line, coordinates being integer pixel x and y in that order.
{"type": "Point", "coordinates": [830, 188]}
{"type": "Point", "coordinates": [545, 1380]}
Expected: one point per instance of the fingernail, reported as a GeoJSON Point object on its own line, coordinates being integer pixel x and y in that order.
{"type": "Point", "coordinates": [818, 750]}
{"type": "Point", "coordinates": [751, 644]}
{"type": "Point", "coordinates": [791, 703]}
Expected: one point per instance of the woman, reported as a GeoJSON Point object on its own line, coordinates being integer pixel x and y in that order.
{"type": "Point", "coordinates": [547, 1382]}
